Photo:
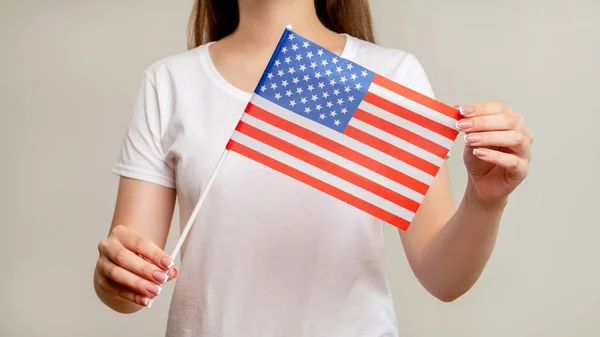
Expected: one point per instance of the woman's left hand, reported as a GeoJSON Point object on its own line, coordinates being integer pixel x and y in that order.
{"type": "Point", "coordinates": [497, 150]}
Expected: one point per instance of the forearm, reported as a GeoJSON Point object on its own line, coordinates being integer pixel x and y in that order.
{"type": "Point", "coordinates": [455, 257]}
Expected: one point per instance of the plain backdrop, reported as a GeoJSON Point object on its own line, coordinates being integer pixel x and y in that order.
{"type": "Point", "coordinates": [69, 71]}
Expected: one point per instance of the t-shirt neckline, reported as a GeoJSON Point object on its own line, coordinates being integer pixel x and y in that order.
{"type": "Point", "coordinates": [215, 76]}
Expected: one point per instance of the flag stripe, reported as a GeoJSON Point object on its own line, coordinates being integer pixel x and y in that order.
{"type": "Point", "coordinates": [414, 117]}
{"type": "Point", "coordinates": [419, 181]}
{"type": "Point", "coordinates": [327, 166]}
{"type": "Point", "coordinates": [414, 143]}
{"type": "Point", "coordinates": [422, 165]}
{"type": "Point", "coordinates": [331, 156]}
{"type": "Point", "coordinates": [417, 97]}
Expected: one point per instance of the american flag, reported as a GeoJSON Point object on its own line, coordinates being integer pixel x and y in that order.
{"type": "Point", "coordinates": [345, 130]}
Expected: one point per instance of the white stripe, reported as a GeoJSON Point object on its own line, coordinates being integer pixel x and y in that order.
{"type": "Point", "coordinates": [322, 175]}
{"type": "Point", "coordinates": [400, 143]}
{"type": "Point", "coordinates": [342, 139]}
{"type": "Point", "coordinates": [413, 106]}
{"type": "Point", "coordinates": [332, 157]}
{"type": "Point", "coordinates": [405, 124]}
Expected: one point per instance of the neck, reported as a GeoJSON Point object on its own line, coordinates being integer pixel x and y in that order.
{"type": "Point", "coordinates": [262, 22]}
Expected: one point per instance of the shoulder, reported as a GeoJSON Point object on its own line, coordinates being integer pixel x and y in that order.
{"type": "Point", "coordinates": [176, 66]}
{"type": "Point", "coordinates": [395, 64]}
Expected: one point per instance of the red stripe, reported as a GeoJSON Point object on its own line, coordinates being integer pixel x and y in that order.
{"type": "Point", "coordinates": [402, 133]}
{"type": "Point", "coordinates": [417, 97]}
{"type": "Point", "coordinates": [320, 185]}
{"type": "Point", "coordinates": [328, 166]}
{"type": "Point", "coordinates": [410, 116]}
{"type": "Point", "coordinates": [337, 148]}
{"type": "Point", "coordinates": [391, 150]}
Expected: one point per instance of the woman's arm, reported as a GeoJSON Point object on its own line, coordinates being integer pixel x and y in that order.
{"type": "Point", "coordinates": [123, 280]}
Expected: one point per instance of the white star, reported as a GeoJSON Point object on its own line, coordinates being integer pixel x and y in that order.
{"type": "Point", "coordinates": [278, 95]}
{"type": "Point", "coordinates": [351, 99]}
{"type": "Point", "coordinates": [347, 89]}
{"type": "Point", "coordinates": [318, 107]}
{"type": "Point", "coordinates": [263, 88]}
{"type": "Point", "coordinates": [313, 65]}
{"type": "Point", "coordinates": [280, 72]}
{"type": "Point", "coordinates": [320, 52]}
{"type": "Point", "coordinates": [334, 60]}
{"type": "Point", "coordinates": [307, 109]}
{"type": "Point", "coordinates": [309, 55]}
{"type": "Point", "coordinates": [336, 92]}
{"type": "Point", "coordinates": [358, 86]}
{"type": "Point", "coordinates": [353, 76]}
{"type": "Point", "coordinates": [338, 69]}
{"type": "Point", "coordinates": [291, 37]}
{"type": "Point", "coordinates": [302, 67]}
{"type": "Point", "coordinates": [314, 97]}
{"type": "Point", "coordinates": [311, 88]}
{"type": "Point", "coordinates": [305, 44]}
{"type": "Point", "coordinates": [284, 83]}
{"type": "Point", "coordinates": [292, 103]}
{"type": "Point", "coordinates": [321, 85]}
{"type": "Point", "coordinates": [324, 63]}
{"type": "Point", "coordinates": [344, 110]}
{"type": "Point", "coordinates": [329, 104]}
{"type": "Point", "coordinates": [303, 100]}
{"type": "Point", "coordinates": [343, 79]}
{"type": "Point", "coordinates": [340, 101]}
{"type": "Point", "coordinates": [270, 76]}
{"type": "Point", "coordinates": [292, 70]}
{"type": "Point", "coordinates": [294, 47]}
{"type": "Point", "coordinates": [349, 66]}
{"type": "Point", "coordinates": [337, 122]}
{"type": "Point", "coordinates": [284, 50]}
{"type": "Point", "coordinates": [333, 113]}
{"type": "Point", "coordinates": [364, 73]}
{"type": "Point", "coordinates": [325, 94]}
{"type": "Point", "coordinates": [295, 80]}
{"type": "Point", "coordinates": [277, 63]}
{"type": "Point", "coordinates": [288, 60]}
{"type": "Point", "coordinates": [273, 86]}
{"type": "Point", "coordinates": [288, 93]}
{"type": "Point", "coordinates": [298, 57]}
{"type": "Point", "coordinates": [317, 75]}
{"type": "Point", "coordinates": [332, 82]}
{"type": "Point", "coordinates": [299, 90]}
{"type": "Point", "coordinates": [328, 72]}
{"type": "Point", "coordinates": [306, 78]}
{"type": "Point", "coordinates": [322, 116]}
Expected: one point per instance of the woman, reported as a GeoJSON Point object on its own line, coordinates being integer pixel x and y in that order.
{"type": "Point", "coordinates": [272, 256]}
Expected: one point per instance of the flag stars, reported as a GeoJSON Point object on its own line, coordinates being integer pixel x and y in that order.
{"type": "Point", "coordinates": [309, 55]}
{"type": "Point", "coordinates": [305, 44]}
{"type": "Point", "coordinates": [321, 85]}
{"type": "Point", "coordinates": [333, 113]}
{"type": "Point", "coordinates": [284, 50]}
{"type": "Point", "coordinates": [318, 75]}
{"type": "Point", "coordinates": [277, 63]}
{"type": "Point", "coordinates": [291, 70]}
{"type": "Point", "coordinates": [343, 79]}
{"type": "Point", "coordinates": [307, 110]}
{"type": "Point", "coordinates": [288, 93]}
{"type": "Point", "coordinates": [325, 94]}
{"type": "Point", "coordinates": [324, 63]}
{"type": "Point", "coordinates": [322, 116]}
{"type": "Point", "coordinates": [358, 86]}
{"type": "Point", "coordinates": [291, 37]}
{"type": "Point", "coordinates": [332, 82]}
{"type": "Point", "coordinates": [273, 85]}
{"type": "Point", "coordinates": [349, 66]}
{"type": "Point", "coordinates": [328, 72]}
{"type": "Point", "coordinates": [284, 83]}
{"type": "Point", "coordinates": [329, 104]}
{"type": "Point", "coordinates": [280, 73]}
{"type": "Point", "coordinates": [344, 110]}
{"type": "Point", "coordinates": [298, 57]}
{"type": "Point", "coordinates": [364, 73]}
{"type": "Point", "coordinates": [318, 107]}
{"type": "Point", "coordinates": [320, 52]}
{"type": "Point", "coordinates": [303, 100]}
{"type": "Point", "coordinates": [288, 60]}
{"type": "Point", "coordinates": [350, 98]}
{"type": "Point", "coordinates": [311, 87]}
{"type": "Point", "coordinates": [336, 92]}
{"type": "Point", "coordinates": [270, 75]}
{"type": "Point", "coordinates": [313, 65]}
{"type": "Point", "coordinates": [347, 89]}
{"type": "Point", "coordinates": [277, 95]}
{"type": "Point", "coordinates": [334, 60]}
{"type": "Point", "coordinates": [263, 88]}
{"type": "Point", "coordinates": [294, 47]}
{"type": "Point", "coordinates": [302, 67]}
{"type": "Point", "coordinates": [340, 101]}
{"type": "Point", "coordinates": [299, 91]}
{"type": "Point", "coordinates": [314, 97]}
{"type": "Point", "coordinates": [293, 103]}
{"type": "Point", "coordinates": [306, 78]}
{"type": "Point", "coordinates": [353, 76]}
{"type": "Point", "coordinates": [338, 69]}
{"type": "Point", "coordinates": [295, 80]}
{"type": "Point", "coordinates": [337, 122]}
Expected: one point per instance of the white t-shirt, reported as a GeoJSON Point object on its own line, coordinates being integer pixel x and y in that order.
{"type": "Point", "coordinates": [268, 255]}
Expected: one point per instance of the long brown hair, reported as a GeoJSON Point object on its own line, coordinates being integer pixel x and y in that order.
{"type": "Point", "coordinates": [212, 20]}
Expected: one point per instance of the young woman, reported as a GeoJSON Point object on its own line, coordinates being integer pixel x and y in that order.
{"type": "Point", "coordinates": [272, 256]}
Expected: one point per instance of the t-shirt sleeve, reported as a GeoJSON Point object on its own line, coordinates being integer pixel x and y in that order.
{"type": "Point", "coordinates": [142, 155]}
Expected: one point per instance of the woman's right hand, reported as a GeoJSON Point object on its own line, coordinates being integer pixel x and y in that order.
{"type": "Point", "coordinates": [131, 267]}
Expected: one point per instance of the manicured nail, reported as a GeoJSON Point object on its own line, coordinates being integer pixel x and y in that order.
{"type": "Point", "coordinates": [160, 276]}
{"type": "Point", "coordinates": [466, 110]}
{"type": "Point", "coordinates": [153, 289]}
{"type": "Point", "coordinates": [145, 301]}
{"type": "Point", "coordinates": [472, 138]}
{"type": "Point", "coordinates": [464, 124]}
{"type": "Point", "coordinates": [167, 262]}
{"type": "Point", "coordinates": [479, 152]}
{"type": "Point", "coordinates": [149, 305]}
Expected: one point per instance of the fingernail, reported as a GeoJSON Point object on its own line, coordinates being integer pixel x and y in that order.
{"type": "Point", "coordinates": [479, 152]}
{"type": "Point", "coordinates": [464, 124]}
{"type": "Point", "coordinates": [167, 262]}
{"type": "Point", "coordinates": [153, 289]}
{"type": "Point", "coordinates": [466, 110]}
{"type": "Point", "coordinates": [472, 138]}
{"type": "Point", "coordinates": [160, 276]}
{"type": "Point", "coordinates": [149, 304]}
{"type": "Point", "coordinates": [145, 301]}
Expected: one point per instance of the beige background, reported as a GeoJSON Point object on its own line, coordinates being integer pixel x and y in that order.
{"type": "Point", "coordinates": [68, 74]}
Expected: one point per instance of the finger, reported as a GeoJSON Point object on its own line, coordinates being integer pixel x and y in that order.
{"type": "Point", "coordinates": [173, 273]}
{"type": "Point", "coordinates": [139, 244]}
{"type": "Point", "coordinates": [489, 123]}
{"type": "Point", "coordinates": [517, 166]}
{"type": "Point", "coordinates": [483, 109]}
{"type": "Point", "coordinates": [125, 258]}
{"type": "Point", "coordinates": [513, 139]}
{"type": "Point", "coordinates": [111, 287]}
{"type": "Point", "coordinates": [126, 278]}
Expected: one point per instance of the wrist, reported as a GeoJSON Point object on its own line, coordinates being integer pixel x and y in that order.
{"type": "Point", "coordinates": [473, 198]}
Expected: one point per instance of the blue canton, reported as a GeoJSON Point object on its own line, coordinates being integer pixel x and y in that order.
{"type": "Point", "coordinates": [313, 82]}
